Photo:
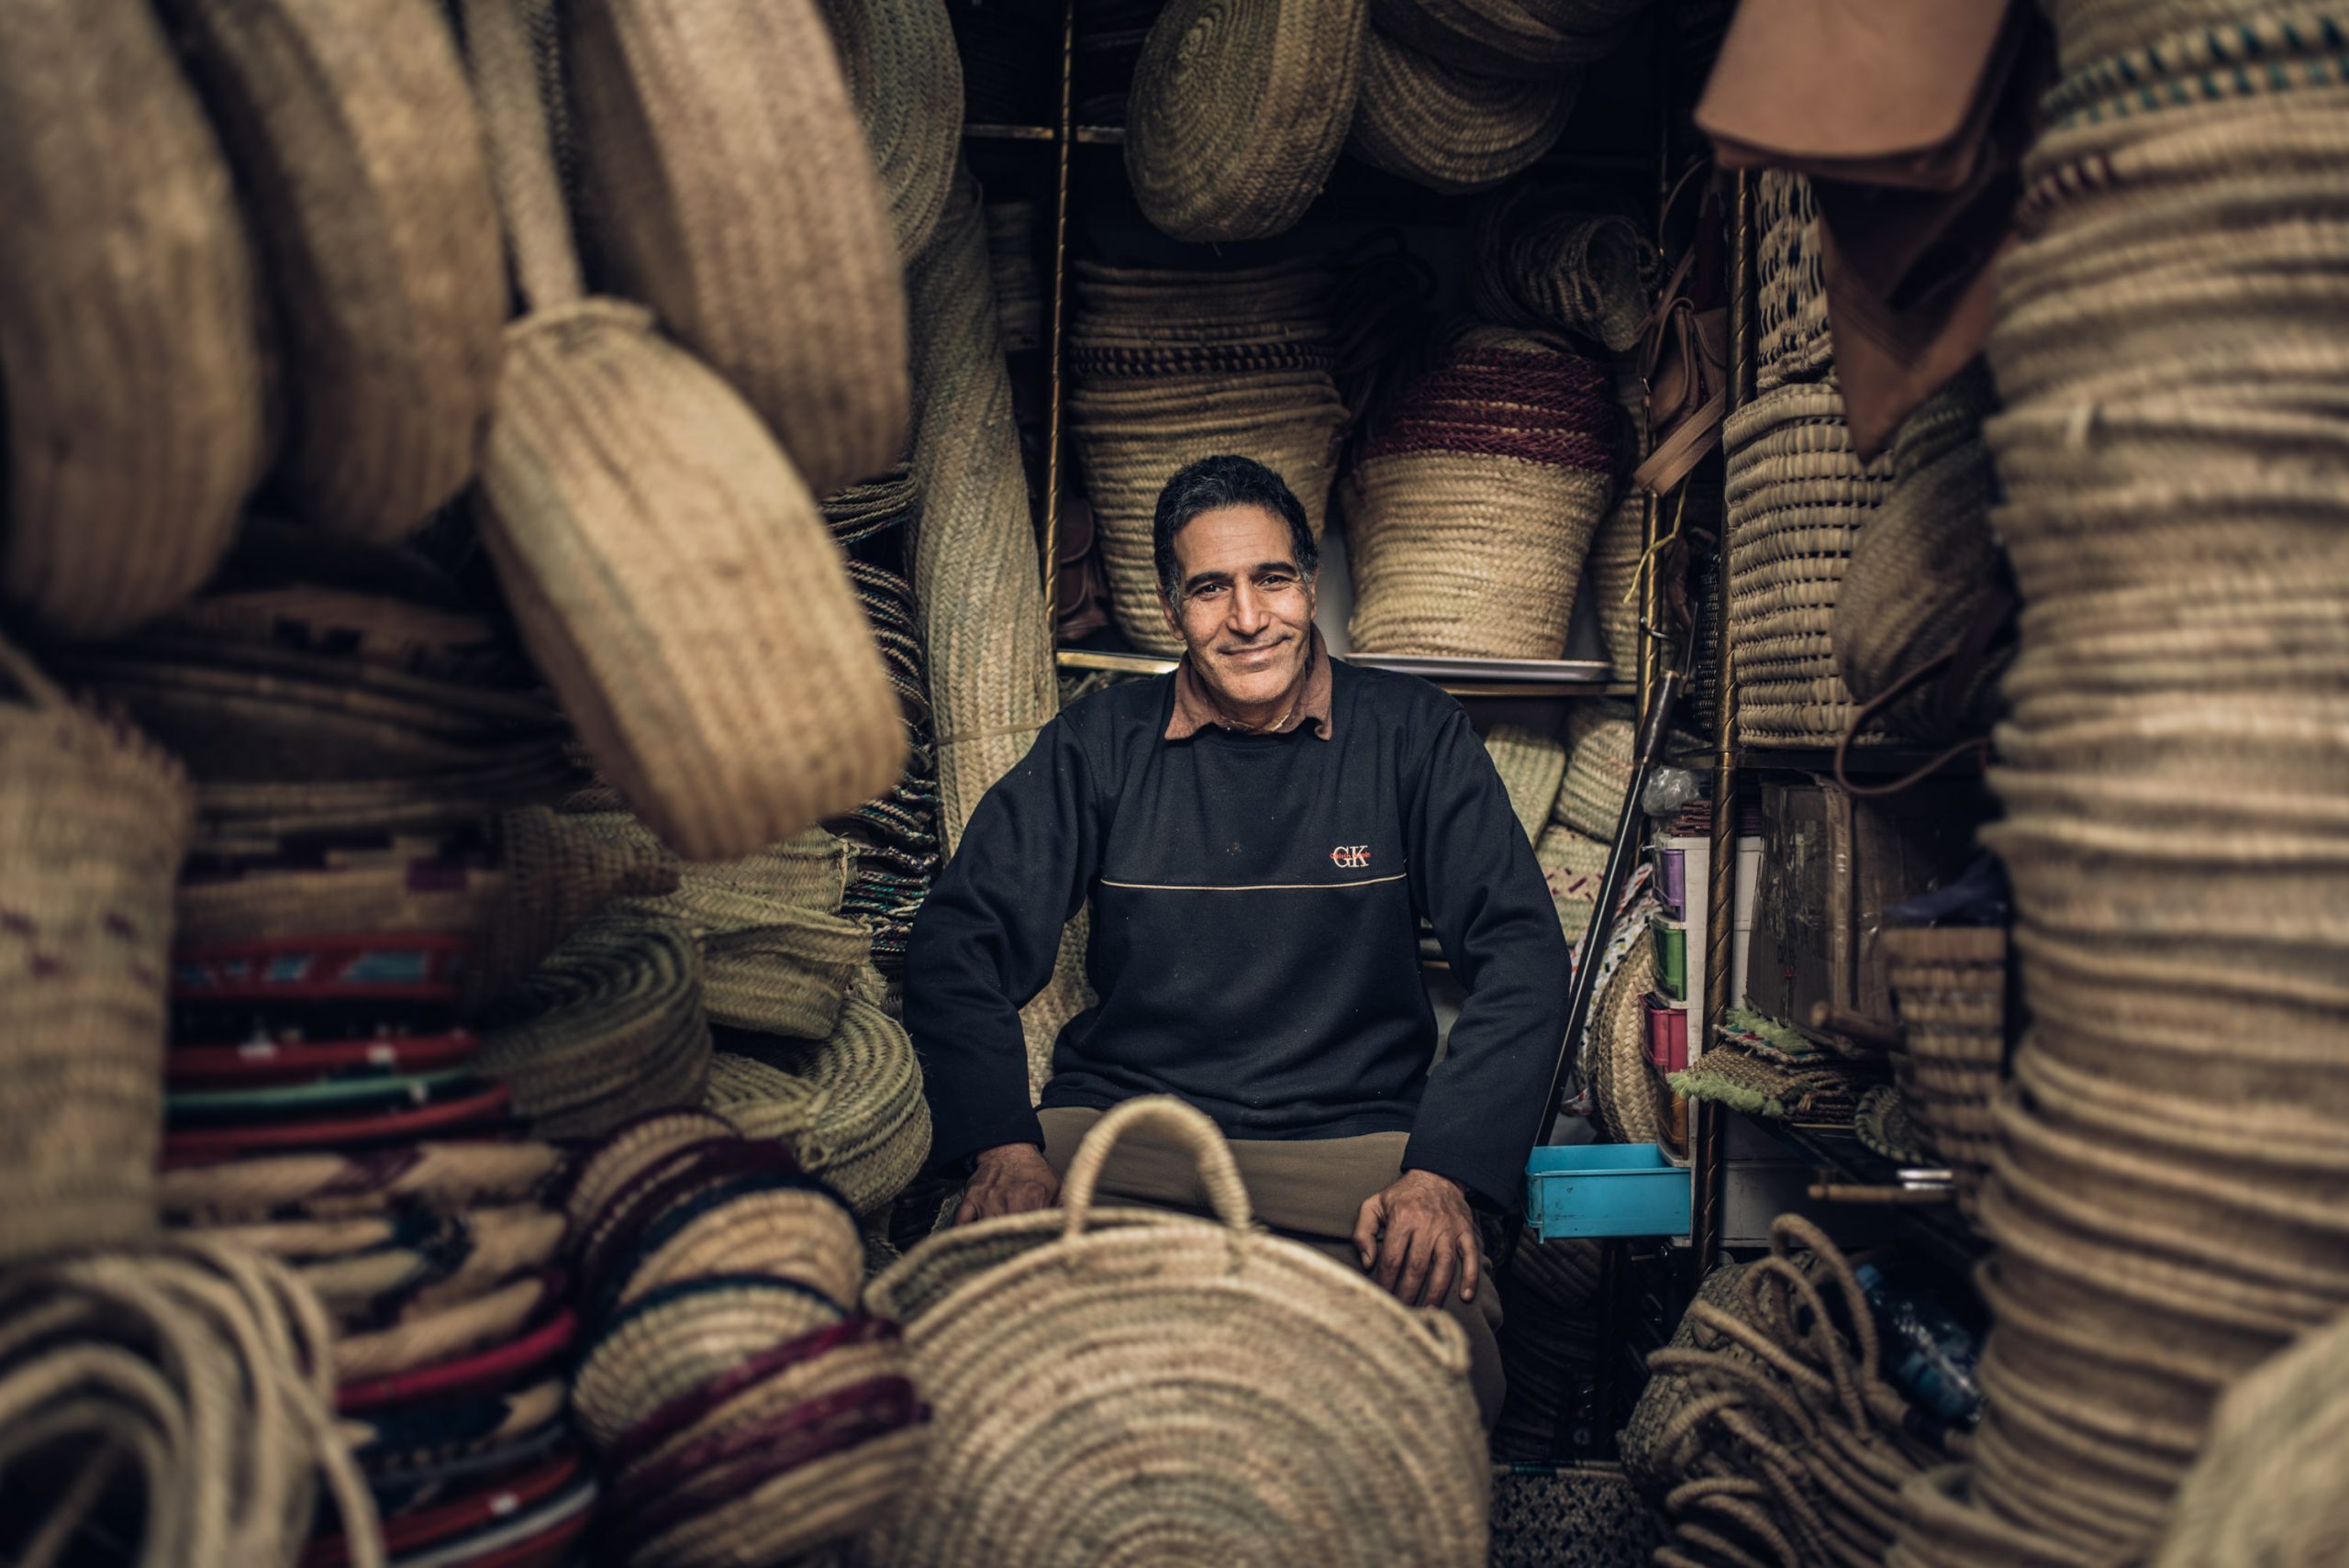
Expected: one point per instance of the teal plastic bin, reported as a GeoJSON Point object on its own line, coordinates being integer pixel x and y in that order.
{"type": "Point", "coordinates": [1605, 1189]}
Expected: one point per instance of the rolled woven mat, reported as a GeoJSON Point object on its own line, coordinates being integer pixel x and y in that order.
{"type": "Point", "coordinates": [1238, 111]}
{"type": "Point", "coordinates": [906, 80]}
{"type": "Point", "coordinates": [1529, 39]}
{"type": "Point", "coordinates": [1769, 1427]}
{"type": "Point", "coordinates": [649, 650]}
{"type": "Point", "coordinates": [1048, 1366]}
{"type": "Point", "coordinates": [94, 819]}
{"type": "Point", "coordinates": [850, 1106]}
{"type": "Point", "coordinates": [1471, 508]}
{"type": "Point", "coordinates": [2263, 1490]}
{"type": "Point", "coordinates": [1530, 765]}
{"type": "Point", "coordinates": [1816, 1090]}
{"type": "Point", "coordinates": [359, 157]}
{"type": "Point", "coordinates": [1797, 499]}
{"type": "Point", "coordinates": [733, 192]}
{"type": "Point", "coordinates": [609, 1027]}
{"type": "Point", "coordinates": [128, 336]}
{"type": "Point", "coordinates": [186, 1389]}
{"type": "Point", "coordinates": [1795, 344]}
{"type": "Point", "coordinates": [1449, 130]}
{"type": "Point", "coordinates": [1012, 245]}
{"type": "Point", "coordinates": [1544, 261]}
{"type": "Point", "coordinates": [977, 578]}
{"type": "Point", "coordinates": [1925, 570]}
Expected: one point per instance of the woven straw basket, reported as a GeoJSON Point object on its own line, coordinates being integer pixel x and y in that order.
{"type": "Point", "coordinates": [1132, 1374]}
{"type": "Point", "coordinates": [733, 192]}
{"type": "Point", "coordinates": [905, 79]}
{"type": "Point", "coordinates": [94, 818]}
{"type": "Point", "coordinates": [1949, 986]}
{"type": "Point", "coordinates": [671, 574]}
{"type": "Point", "coordinates": [1544, 261]}
{"type": "Point", "coordinates": [1529, 38]}
{"type": "Point", "coordinates": [1791, 286]}
{"type": "Point", "coordinates": [359, 158]}
{"type": "Point", "coordinates": [978, 581]}
{"type": "Point", "coordinates": [1238, 111]}
{"type": "Point", "coordinates": [128, 340]}
{"type": "Point", "coordinates": [1447, 129]}
{"type": "Point", "coordinates": [851, 1106]}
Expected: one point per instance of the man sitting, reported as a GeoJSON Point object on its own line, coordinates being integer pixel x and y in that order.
{"type": "Point", "coordinates": [1259, 832]}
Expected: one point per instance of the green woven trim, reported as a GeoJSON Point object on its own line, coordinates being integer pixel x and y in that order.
{"type": "Point", "coordinates": [1696, 1084]}
{"type": "Point", "coordinates": [1758, 1034]}
{"type": "Point", "coordinates": [2270, 54]}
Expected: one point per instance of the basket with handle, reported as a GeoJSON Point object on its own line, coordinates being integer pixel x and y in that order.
{"type": "Point", "coordinates": [1136, 1374]}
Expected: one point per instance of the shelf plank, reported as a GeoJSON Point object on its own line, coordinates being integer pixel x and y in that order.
{"type": "Point", "coordinates": [1843, 1160]}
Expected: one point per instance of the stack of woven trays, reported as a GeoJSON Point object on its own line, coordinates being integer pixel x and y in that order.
{"type": "Point", "coordinates": [1172, 366]}
{"type": "Point", "coordinates": [1473, 502]}
{"type": "Point", "coordinates": [2164, 1202]}
{"type": "Point", "coordinates": [746, 1411]}
{"type": "Point", "coordinates": [1949, 986]}
{"type": "Point", "coordinates": [1798, 497]}
{"type": "Point", "coordinates": [850, 1105]}
{"type": "Point", "coordinates": [895, 836]}
{"type": "Point", "coordinates": [441, 1261]}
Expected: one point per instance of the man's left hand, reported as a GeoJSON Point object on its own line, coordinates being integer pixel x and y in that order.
{"type": "Point", "coordinates": [1418, 1238]}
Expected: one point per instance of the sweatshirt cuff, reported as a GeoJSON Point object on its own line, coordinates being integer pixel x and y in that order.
{"type": "Point", "coordinates": [1490, 1187]}
{"type": "Point", "coordinates": [957, 1142]}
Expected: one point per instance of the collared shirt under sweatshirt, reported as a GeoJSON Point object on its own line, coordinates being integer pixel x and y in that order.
{"type": "Point", "coordinates": [1254, 938]}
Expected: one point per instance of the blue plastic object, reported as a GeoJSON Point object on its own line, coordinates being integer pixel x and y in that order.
{"type": "Point", "coordinates": [1605, 1189]}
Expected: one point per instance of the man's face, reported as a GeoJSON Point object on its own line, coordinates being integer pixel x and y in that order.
{"type": "Point", "coordinates": [1246, 613]}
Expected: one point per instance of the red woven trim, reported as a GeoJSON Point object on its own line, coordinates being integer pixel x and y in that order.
{"type": "Point", "coordinates": [658, 1189]}
{"type": "Point", "coordinates": [428, 1527]}
{"type": "Point", "coordinates": [691, 1405]}
{"type": "Point", "coordinates": [497, 1364]}
{"type": "Point", "coordinates": [210, 1144]}
{"type": "Point", "coordinates": [732, 1466]}
{"type": "Point", "coordinates": [1551, 449]}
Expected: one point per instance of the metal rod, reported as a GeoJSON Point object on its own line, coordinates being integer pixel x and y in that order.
{"type": "Point", "coordinates": [1055, 349]}
{"type": "Point", "coordinates": [1720, 924]}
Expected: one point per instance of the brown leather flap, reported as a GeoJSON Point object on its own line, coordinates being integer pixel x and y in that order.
{"type": "Point", "coordinates": [1898, 90]}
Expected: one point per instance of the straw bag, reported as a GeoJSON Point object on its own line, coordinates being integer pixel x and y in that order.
{"type": "Point", "coordinates": [129, 340]}
{"type": "Point", "coordinates": [94, 818]}
{"type": "Point", "coordinates": [1525, 38]}
{"type": "Point", "coordinates": [906, 80]}
{"type": "Point", "coordinates": [1141, 1375]}
{"type": "Point", "coordinates": [732, 191]}
{"type": "Point", "coordinates": [1791, 286]}
{"type": "Point", "coordinates": [1238, 109]}
{"type": "Point", "coordinates": [670, 572]}
{"type": "Point", "coordinates": [1446, 128]}
{"type": "Point", "coordinates": [360, 160]}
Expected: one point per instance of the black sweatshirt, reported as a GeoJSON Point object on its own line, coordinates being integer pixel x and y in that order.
{"type": "Point", "coordinates": [1255, 932]}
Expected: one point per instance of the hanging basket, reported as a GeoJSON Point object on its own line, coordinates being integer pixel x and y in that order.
{"type": "Point", "coordinates": [1525, 38]}
{"type": "Point", "coordinates": [1192, 1382]}
{"type": "Point", "coordinates": [1446, 128]}
{"type": "Point", "coordinates": [904, 77]}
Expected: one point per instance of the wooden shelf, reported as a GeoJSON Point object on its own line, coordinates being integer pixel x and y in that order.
{"type": "Point", "coordinates": [1084, 135]}
{"type": "Point", "coordinates": [1844, 1163]}
{"type": "Point", "coordinates": [1460, 677]}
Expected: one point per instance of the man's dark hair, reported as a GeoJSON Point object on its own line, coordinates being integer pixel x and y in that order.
{"type": "Point", "coordinates": [1214, 481]}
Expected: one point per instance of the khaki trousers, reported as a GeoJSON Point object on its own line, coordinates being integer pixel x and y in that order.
{"type": "Point", "coordinates": [1306, 1190]}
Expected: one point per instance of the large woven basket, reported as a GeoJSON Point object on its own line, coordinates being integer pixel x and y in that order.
{"type": "Point", "coordinates": [1195, 1384]}
{"type": "Point", "coordinates": [733, 190]}
{"type": "Point", "coordinates": [1238, 111]}
{"type": "Point", "coordinates": [1798, 497]}
{"type": "Point", "coordinates": [906, 80]}
{"type": "Point", "coordinates": [1529, 39]}
{"type": "Point", "coordinates": [1790, 283]}
{"type": "Point", "coordinates": [1446, 128]}
{"type": "Point", "coordinates": [94, 818]}
{"type": "Point", "coordinates": [1949, 985]}
{"type": "Point", "coordinates": [1473, 506]}
{"type": "Point", "coordinates": [360, 160]}
{"type": "Point", "coordinates": [671, 574]}
{"type": "Point", "coordinates": [128, 336]}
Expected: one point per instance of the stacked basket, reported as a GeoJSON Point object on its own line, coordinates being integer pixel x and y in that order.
{"type": "Point", "coordinates": [1949, 985]}
{"type": "Point", "coordinates": [1474, 501]}
{"type": "Point", "coordinates": [745, 1410]}
{"type": "Point", "coordinates": [2165, 1201]}
{"type": "Point", "coordinates": [1174, 366]}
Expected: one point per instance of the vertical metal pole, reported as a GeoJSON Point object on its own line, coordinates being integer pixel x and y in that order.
{"type": "Point", "coordinates": [1720, 920]}
{"type": "Point", "coordinates": [1063, 143]}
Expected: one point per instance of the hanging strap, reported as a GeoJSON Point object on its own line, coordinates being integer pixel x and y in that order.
{"type": "Point", "coordinates": [522, 155]}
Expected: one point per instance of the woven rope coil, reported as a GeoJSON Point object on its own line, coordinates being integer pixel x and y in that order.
{"type": "Point", "coordinates": [359, 157]}
{"type": "Point", "coordinates": [129, 337]}
{"type": "Point", "coordinates": [200, 1371]}
{"type": "Point", "coordinates": [1473, 505]}
{"type": "Point", "coordinates": [906, 80]}
{"type": "Point", "coordinates": [1545, 262]}
{"type": "Point", "coordinates": [1238, 110]}
{"type": "Point", "coordinates": [1294, 1378]}
{"type": "Point", "coordinates": [733, 192]}
{"type": "Point", "coordinates": [1449, 130]}
{"type": "Point", "coordinates": [94, 819]}
{"type": "Point", "coordinates": [852, 1107]}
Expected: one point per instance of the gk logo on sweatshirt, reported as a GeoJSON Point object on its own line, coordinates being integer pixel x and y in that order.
{"type": "Point", "coordinates": [1352, 857]}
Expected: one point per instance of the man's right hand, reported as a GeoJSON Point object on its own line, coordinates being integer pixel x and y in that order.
{"type": "Point", "coordinates": [1012, 1178]}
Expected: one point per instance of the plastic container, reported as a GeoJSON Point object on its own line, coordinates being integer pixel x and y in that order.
{"type": "Point", "coordinates": [1605, 1189]}
{"type": "Point", "coordinates": [1668, 1035]}
{"type": "Point", "coordinates": [1671, 957]}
